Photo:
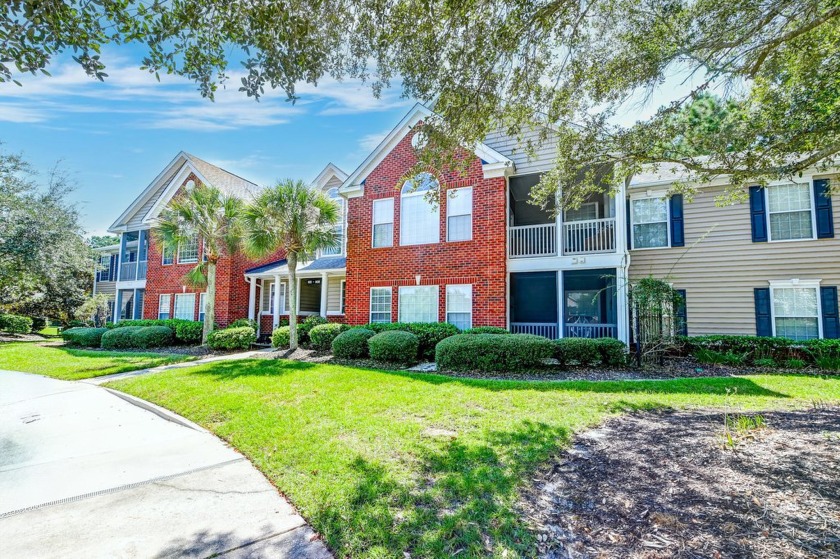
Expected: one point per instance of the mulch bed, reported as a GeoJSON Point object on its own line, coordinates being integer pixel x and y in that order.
{"type": "Point", "coordinates": [652, 485]}
{"type": "Point", "coordinates": [23, 338]}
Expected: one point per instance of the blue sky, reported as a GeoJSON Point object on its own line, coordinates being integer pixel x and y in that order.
{"type": "Point", "coordinates": [115, 137]}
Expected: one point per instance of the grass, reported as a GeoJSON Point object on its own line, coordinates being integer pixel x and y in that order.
{"type": "Point", "coordinates": [49, 331]}
{"type": "Point", "coordinates": [385, 462]}
{"type": "Point", "coordinates": [73, 364]}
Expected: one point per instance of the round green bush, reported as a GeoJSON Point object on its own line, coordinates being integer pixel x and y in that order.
{"type": "Point", "coordinates": [15, 324]}
{"type": "Point", "coordinates": [242, 323]}
{"type": "Point", "coordinates": [493, 352]}
{"type": "Point", "coordinates": [352, 344]}
{"type": "Point", "coordinates": [429, 334]}
{"type": "Point", "coordinates": [121, 338]}
{"type": "Point", "coordinates": [394, 346]}
{"type": "Point", "coordinates": [232, 338]}
{"type": "Point", "coordinates": [321, 337]}
{"type": "Point", "coordinates": [84, 337]}
{"type": "Point", "coordinates": [281, 337]}
{"type": "Point", "coordinates": [154, 336]}
{"type": "Point", "coordinates": [189, 331]}
{"type": "Point", "coordinates": [584, 352]}
{"type": "Point", "coordinates": [38, 323]}
{"type": "Point", "coordinates": [485, 330]}
{"type": "Point", "coordinates": [613, 352]}
{"type": "Point", "coordinates": [305, 327]}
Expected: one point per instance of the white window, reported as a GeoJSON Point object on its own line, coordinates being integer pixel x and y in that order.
{"type": "Point", "coordinates": [419, 303]}
{"type": "Point", "coordinates": [459, 203]}
{"type": "Point", "coordinates": [163, 306]}
{"type": "Point", "coordinates": [419, 218]}
{"type": "Point", "coordinates": [789, 212]}
{"type": "Point", "coordinates": [343, 295]}
{"type": "Point", "coordinates": [202, 306]}
{"type": "Point", "coordinates": [268, 307]}
{"type": "Point", "coordinates": [380, 304]}
{"type": "Point", "coordinates": [383, 222]}
{"type": "Point", "coordinates": [168, 256]}
{"type": "Point", "coordinates": [585, 212]}
{"type": "Point", "coordinates": [650, 222]}
{"type": "Point", "coordinates": [185, 306]}
{"type": "Point", "coordinates": [188, 251]}
{"type": "Point", "coordinates": [339, 228]}
{"type": "Point", "coordinates": [459, 306]}
{"type": "Point", "coordinates": [796, 312]}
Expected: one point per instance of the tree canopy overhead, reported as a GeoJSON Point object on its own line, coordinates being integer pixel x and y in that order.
{"type": "Point", "coordinates": [774, 64]}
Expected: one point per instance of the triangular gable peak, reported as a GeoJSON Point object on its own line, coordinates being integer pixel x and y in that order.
{"type": "Point", "coordinates": [330, 177]}
{"type": "Point", "coordinates": [493, 163]}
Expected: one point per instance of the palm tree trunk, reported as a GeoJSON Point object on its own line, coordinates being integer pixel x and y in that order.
{"type": "Point", "coordinates": [209, 302]}
{"type": "Point", "coordinates": [291, 259]}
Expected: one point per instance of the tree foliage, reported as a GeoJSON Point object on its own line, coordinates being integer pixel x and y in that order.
{"type": "Point", "coordinates": [46, 267]}
{"type": "Point", "coordinates": [99, 241]}
{"type": "Point", "coordinates": [515, 65]}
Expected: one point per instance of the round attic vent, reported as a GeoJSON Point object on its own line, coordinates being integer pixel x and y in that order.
{"type": "Point", "coordinates": [190, 184]}
{"type": "Point", "coordinates": [419, 140]}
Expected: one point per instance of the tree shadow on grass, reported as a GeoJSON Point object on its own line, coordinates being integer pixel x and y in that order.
{"type": "Point", "coordinates": [462, 503]}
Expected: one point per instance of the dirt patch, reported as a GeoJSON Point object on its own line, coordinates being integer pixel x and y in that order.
{"type": "Point", "coordinates": [22, 338]}
{"type": "Point", "coordinates": [665, 484]}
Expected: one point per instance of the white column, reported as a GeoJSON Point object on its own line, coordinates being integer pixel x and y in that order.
{"type": "Point", "coordinates": [277, 309]}
{"type": "Point", "coordinates": [622, 304]}
{"type": "Point", "coordinates": [252, 296]}
{"type": "Point", "coordinates": [324, 294]}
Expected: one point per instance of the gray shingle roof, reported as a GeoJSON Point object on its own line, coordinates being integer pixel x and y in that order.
{"type": "Point", "coordinates": [327, 263]}
{"type": "Point", "coordinates": [225, 181]}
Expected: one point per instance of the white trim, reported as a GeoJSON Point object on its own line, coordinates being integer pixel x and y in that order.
{"type": "Point", "coordinates": [430, 287]}
{"type": "Point", "coordinates": [168, 297]}
{"type": "Point", "coordinates": [171, 189]}
{"type": "Point", "coordinates": [390, 302]}
{"type": "Point", "coordinates": [661, 196]}
{"type": "Point", "coordinates": [813, 209]}
{"type": "Point", "coordinates": [328, 172]}
{"type": "Point", "coordinates": [190, 261]}
{"type": "Point", "coordinates": [434, 209]}
{"type": "Point", "coordinates": [449, 214]}
{"type": "Point", "coordinates": [446, 310]}
{"type": "Point", "coordinates": [796, 283]}
{"type": "Point", "coordinates": [175, 306]}
{"type": "Point", "coordinates": [202, 306]}
{"type": "Point", "coordinates": [163, 255]}
{"type": "Point", "coordinates": [342, 287]}
{"type": "Point", "coordinates": [373, 223]}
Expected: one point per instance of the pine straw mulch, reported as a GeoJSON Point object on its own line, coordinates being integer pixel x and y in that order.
{"type": "Point", "coordinates": [652, 485]}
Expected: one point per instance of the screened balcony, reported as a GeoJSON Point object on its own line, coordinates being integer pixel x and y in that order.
{"type": "Point", "coordinates": [134, 254]}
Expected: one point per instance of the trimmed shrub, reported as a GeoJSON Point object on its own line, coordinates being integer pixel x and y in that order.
{"type": "Point", "coordinates": [15, 324]}
{"type": "Point", "coordinates": [242, 323]}
{"type": "Point", "coordinates": [396, 346]}
{"type": "Point", "coordinates": [120, 338]}
{"type": "Point", "coordinates": [493, 352]}
{"type": "Point", "coordinates": [189, 332]}
{"type": "Point", "coordinates": [712, 357]}
{"type": "Point", "coordinates": [232, 338]}
{"type": "Point", "coordinates": [75, 323]}
{"type": "Point", "coordinates": [428, 333]}
{"type": "Point", "coordinates": [84, 337]}
{"type": "Point", "coordinates": [305, 327]}
{"type": "Point", "coordinates": [154, 336]}
{"type": "Point", "coordinates": [613, 352]}
{"type": "Point", "coordinates": [352, 344]}
{"type": "Point", "coordinates": [38, 323]}
{"type": "Point", "coordinates": [281, 337]}
{"type": "Point", "coordinates": [584, 352]}
{"type": "Point", "coordinates": [486, 330]}
{"type": "Point", "coordinates": [322, 336]}
{"type": "Point", "coordinates": [750, 348]}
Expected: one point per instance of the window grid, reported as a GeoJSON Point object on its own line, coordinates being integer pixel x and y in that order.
{"type": "Point", "coordinates": [185, 306]}
{"type": "Point", "coordinates": [164, 306]}
{"type": "Point", "coordinates": [789, 212]}
{"type": "Point", "coordinates": [459, 204]}
{"type": "Point", "coordinates": [339, 229]}
{"type": "Point", "coordinates": [419, 219]}
{"type": "Point", "coordinates": [459, 306]}
{"type": "Point", "coordinates": [650, 222]}
{"type": "Point", "coordinates": [167, 256]}
{"type": "Point", "coordinates": [796, 312]}
{"type": "Point", "coordinates": [418, 303]}
{"type": "Point", "coordinates": [202, 306]}
{"type": "Point", "coordinates": [383, 222]}
{"type": "Point", "coordinates": [342, 295]}
{"type": "Point", "coordinates": [188, 251]}
{"type": "Point", "coordinates": [380, 304]}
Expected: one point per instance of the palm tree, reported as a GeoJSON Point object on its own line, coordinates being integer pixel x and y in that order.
{"type": "Point", "coordinates": [297, 219]}
{"type": "Point", "coordinates": [203, 213]}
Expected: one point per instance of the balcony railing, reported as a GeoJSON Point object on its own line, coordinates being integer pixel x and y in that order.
{"type": "Point", "coordinates": [130, 271]}
{"type": "Point", "coordinates": [589, 236]}
{"type": "Point", "coordinates": [590, 330]}
{"type": "Point", "coordinates": [545, 329]}
{"type": "Point", "coordinates": [532, 240]}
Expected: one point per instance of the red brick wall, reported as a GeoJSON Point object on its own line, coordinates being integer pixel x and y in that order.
{"type": "Point", "coordinates": [480, 262]}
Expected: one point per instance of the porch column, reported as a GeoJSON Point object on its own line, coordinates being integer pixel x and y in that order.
{"type": "Point", "coordinates": [324, 294]}
{"type": "Point", "coordinates": [123, 242]}
{"type": "Point", "coordinates": [622, 308]}
{"type": "Point", "coordinates": [117, 306]}
{"type": "Point", "coordinates": [561, 300]}
{"type": "Point", "coordinates": [252, 296]}
{"type": "Point", "coordinates": [276, 319]}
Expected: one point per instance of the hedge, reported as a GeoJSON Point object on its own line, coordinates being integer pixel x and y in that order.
{"type": "Point", "coordinates": [485, 330]}
{"type": "Point", "coordinates": [352, 344]}
{"type": "Point", "coordinates": [281, 337]}
{"type": "Point", "coordinates": [429, 334]}
{"type": "Point", "coordinates": [307, 325]}
{"type": "Point", "coordinates": [762, 351]}
{"type": "Point", "coordinates": [84, 337]}
{"type": "Point", "coordinates": [493, 352]}
{"type": "Point", "coordinates": [394, 346]}
{"type": "Point", "coordinates": [121, 338]}
{"type": "Point", "coordinates": [613, 352]}
{"type": "Point", "coordinates": [154, 336]}
{"type": "Point", "coordinates": [232, 338]}
{"type": "Point", "coordinates": [186, 331]}
{"type": "Point", "coordinates": [321, 337]}
{"type": "Point", "coordinates": [15, 324]}
{"type": "Point", "coordinates": [242, 323]}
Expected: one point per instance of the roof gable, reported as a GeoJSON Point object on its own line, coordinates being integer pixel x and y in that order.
{"type": "Point", "coordinates": [331, 175]}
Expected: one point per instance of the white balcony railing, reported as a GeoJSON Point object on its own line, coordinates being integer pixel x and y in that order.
{"type": "Point", "coordinates": [590, 236]}
{"type": "Point", "coordinates": [532, 240]}
{"type": "Point", "coordinates": [578, 330]}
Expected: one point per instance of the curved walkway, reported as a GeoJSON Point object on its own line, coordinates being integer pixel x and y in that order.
{"type": "Point", "coordinates": [85, 472]}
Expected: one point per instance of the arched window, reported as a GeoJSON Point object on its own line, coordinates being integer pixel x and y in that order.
{"type": "Point", "coordinates": [419, 219]}
{"type": "Point", "coordinates": [333, 195]}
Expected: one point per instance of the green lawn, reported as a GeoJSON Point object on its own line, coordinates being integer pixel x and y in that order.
{"type": "Point", "coordinates": [49, 331]}
{"type": "Point", "coordinates": [384, 462]}
{"type": "Point", "coordinates": [74, 364]}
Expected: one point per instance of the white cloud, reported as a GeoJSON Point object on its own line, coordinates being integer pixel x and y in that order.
{"type": "Point", "coordinates": [369, 142]}
{"type": "Point", "coordinates": [13, 112]}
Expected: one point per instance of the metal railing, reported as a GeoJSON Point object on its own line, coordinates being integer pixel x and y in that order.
{"type": "Point", "coordinates": [589, 236]}
{"type": "Point", "coordinates": [141, 269]}
{"type": "Point", "coordinates": [590, 330]}
{"type": "Point", "coordinates": [130, 271]}
{"type": "Point", "coordinates": [532, 240]}
{"type": "Point", "coordinates": [546, 329]}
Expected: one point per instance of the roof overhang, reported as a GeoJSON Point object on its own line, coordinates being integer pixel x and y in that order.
{"type": "Point", "coordinates": [330, 171]}
{"type": "Point", "coordinates": [171, 190]}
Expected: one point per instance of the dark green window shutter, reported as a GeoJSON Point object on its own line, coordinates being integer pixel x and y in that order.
{"type": "Point", "coordinates": [825, 215]}
{"type": "Point", "coordinates": [677, 227]}
{"type": "Point", "coordinates": [758, 215]}
{"type": "Point", "coordinates": [763, 320]}
{"type": "Point", "coordinates": [629, 228]}
{"type": "Point", "coordinates": [682, 314]}
{"type": "Point", "coordinates": [831, 321]}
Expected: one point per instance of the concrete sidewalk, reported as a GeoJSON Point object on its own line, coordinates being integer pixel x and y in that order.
{"type": "Point", "coordinates": [84, 473]}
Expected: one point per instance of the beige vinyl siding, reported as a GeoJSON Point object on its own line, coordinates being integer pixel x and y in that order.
{"type": "Point", "coordinates": [334, 182]}
{"type": "Point", "coordinates": [511, 148]}
{"type": "Point", "coordinates": [106, 287]}
{"type": "Point", "coordinates": [719, 266]}
{"type": "Point", "coordinates": [266, 297]}
{"type": "Point", "coordinates": [334, 294]}
{"type": "Point", "coordinates": [135, 221]}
